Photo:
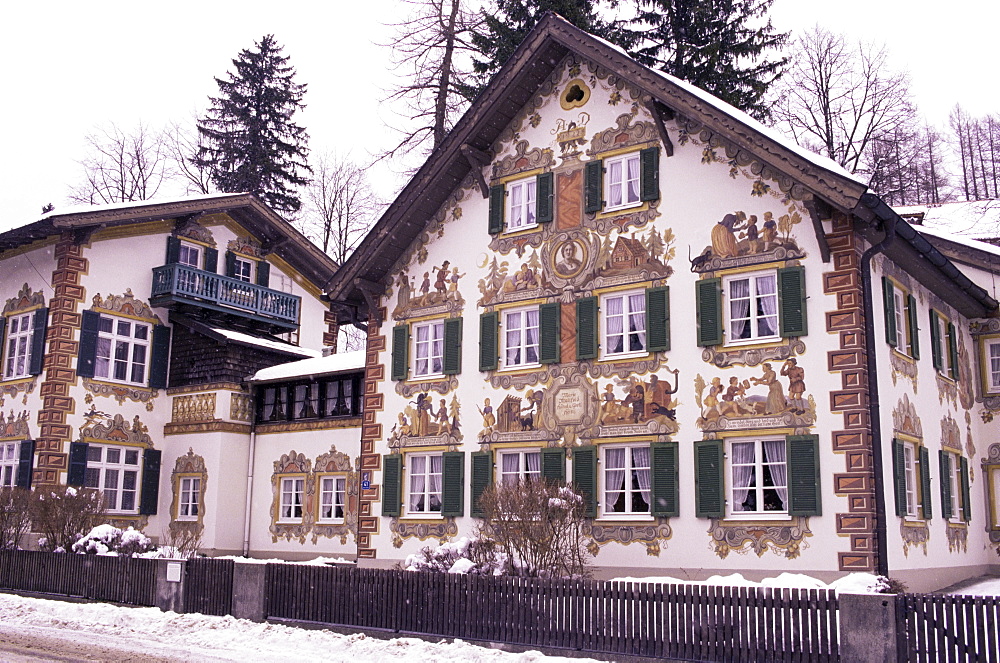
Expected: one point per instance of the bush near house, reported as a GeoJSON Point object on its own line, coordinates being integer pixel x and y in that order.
{"type": "Point", "coordinates": [15, 516]}
{"type": "Point", "coordinates": [63, 516]}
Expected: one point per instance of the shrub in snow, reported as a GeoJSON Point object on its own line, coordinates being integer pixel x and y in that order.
{"type": "Point", "coordinates": [468, 556]}
{"type": "Point", "coordinates": [63, 516]}
{"type": "Point", "coordinates": [109, 540]}
{"type": "Point", "coordinates": [15, 516]}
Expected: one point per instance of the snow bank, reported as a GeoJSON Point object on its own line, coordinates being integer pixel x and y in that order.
{"type": "Point", "coordinates": [854, 583]}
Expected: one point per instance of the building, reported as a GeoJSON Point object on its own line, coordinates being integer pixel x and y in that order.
{"type": "Point", "coordinates": [130, 334]}
{"type": "Point", "coordinates": [790, 378]}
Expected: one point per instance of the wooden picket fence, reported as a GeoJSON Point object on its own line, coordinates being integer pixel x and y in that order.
{"type": "Point", "coordinates": [932, 628]}
{"type": "Point", "coordinates": [695, 622]}
{"type": "Point", "coordinates": [116, 579]}
{"type": "Point", "coordinates": [208, 586]}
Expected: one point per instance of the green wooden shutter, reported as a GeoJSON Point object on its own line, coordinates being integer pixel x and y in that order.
{"type": "Point", "coordinates": [664, 475]}
{"type": "Point", "coordinates": [150, 495]}
{"type": "Point", "coordinates": [482, 477]}
{"type": "Point", "coordinates": [953, 351]}
{"type": "Point", "coordinates": [586, 328]}
{"type": "Point", "coordinates": [392, 476]}
{"type": "Point", "coordinates": [230, 264]}
{"type": "Point", "coordinates": [709, 480]}
{"type": "Point", "coordinates": [3, 328]}
{"type": "Point", "coordinates": [585, 477]}
{"type": "Point", "coordinates": [77, 463]}
{"type": "Point", "coordinates": [159, 362]}
{"type": "Point", "coordinates": [911, 321]}
{"type": "Point", "coordinates": [889, 307]}
{"type": "Point", "coordinates": [544, 210]}
{"type": "Point", "coordinates": [792, 302]}
{"type": "Point", "coordinates": [554, 463]}
{"type": "Point", "coordinates": [400, 351]}
{"type": "Point", "coordinates": [925, 483]}
{"type": "Point", "coordinates": [899, 477]}
{"type": "Point", "coordinates": [944, 463]}
{"type": "Point", "coordinates": [489, 324]}
{"type": "Point", "coordinates": [264, 273]}
{"type": "Point", "coordinates": [173, 249]}
{"type": "Point", "coordinates": [453, 483]}
{"type": "Point", "coordinates": [936, 356]}
{"type": "Point", "coordinates": [496, 209]}
{"type": "Point", "coordinates": [593, 178]}
{"type": "Point", "coordinates": [89, 327]}
{"type": "Point", "coordinates": [658, 319]}
{"type": "Point", "coordinates": [804, 496]}
{"type": "Point", "coordinates": [708, 313]}
{"type": "Point", "coordinates": [211, 260]}
{"type": "Point", "coordinates": [649, 173]}
{"type": "Point", "coordinates": [963, 476]}
{"type": "Point", "coordinates": [549, 340]}
{"type": "Point", "coordinates": [452, 362]}
{"type": "Point", "coordinates": [40, 324]}
{"type": "Point", "coordinates": [25, 463]}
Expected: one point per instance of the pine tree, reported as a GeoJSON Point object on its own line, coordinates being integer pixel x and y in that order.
{"type": "Point", "coordinates": [718, 45]}
{"type": "Point", "coordinates": [251, 142]}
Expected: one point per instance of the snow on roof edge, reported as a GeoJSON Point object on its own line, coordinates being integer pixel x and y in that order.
{"type": "Point", "coordinates": [335, 363]}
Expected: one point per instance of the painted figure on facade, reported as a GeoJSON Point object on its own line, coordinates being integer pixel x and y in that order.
{"type": "Point", "coordinates": [567, 261]}
{"type": "Point", "coordinates": [738, 236]}
{"type": "Point", "coordinates": [721, 403]}
{"type": "Point", "coordinates": [796, 384]}
{"type": "Point", "coordinates": [642, 402]}
{"type": "Point", "coordinates": [438, 288]}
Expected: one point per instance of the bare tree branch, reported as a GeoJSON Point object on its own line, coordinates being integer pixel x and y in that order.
{"type": "Point", "coordinates": [123, 166]}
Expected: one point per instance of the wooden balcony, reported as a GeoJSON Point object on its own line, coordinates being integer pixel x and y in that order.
{"type": "Point", "coordinates": [182, 287]}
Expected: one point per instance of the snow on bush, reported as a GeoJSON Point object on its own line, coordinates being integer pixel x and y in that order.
{"type": "Point", "coordinates": [109, 540]}
{"type": "Point", "coordinates": [468, 556]}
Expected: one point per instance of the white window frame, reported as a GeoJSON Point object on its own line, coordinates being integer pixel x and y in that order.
{"type": "Point", "coordinates": [110, 343]}
{"type": "Point", "coordinates": [523, 472]}
{"type": "Point", "coordinates": [110, 470]}
{"type": "Point", "coordinates": [617, 181]}
{"type": "Point", "coordinates": [17, 346]}
{"type": "Point", "coordinates": [428, 354]}
{"type": "Point", "coordinates": [244, 269]}
{"type": "Point", "coordinates": [901, 309]}
{"type": "Point", "coordinates": [10, 456]}
{"type": "Point", "coordinates": [332, 496]}
{"type": "Point", "coordinates": [424, 501]}
{"type": "Point", "coordinates": [523, 347]}
{"type": "Point", "coordinates": [758, 491]}
{"type": "Point", "coordinates": [522, 210]}
{"type": "Point", "coordinates": [190, 255]}
{"type": "Point", "coordinates": [291, 503]}
{"type": "Point", "coordinates": [944, 341]}
{"type": "Point", "coordinates": [955, 481]}
{"type": "Point", "coordinates": [755, 318]}
{"type": "Point", "coordinates": [188, 498]}
{"type": "Point", "coordinates": [991, 351]}
{"type": "Point", "coordinates": [629, 314]}
{"type": "Point", "coordinates": [629, 490]}
{"type": "Point", "coordinates": [910, 480]}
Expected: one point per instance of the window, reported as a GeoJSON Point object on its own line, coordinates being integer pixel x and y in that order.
{"type": "Point", "coordinates": [520, 337]}
{"type": "Point", "coordinates": [341, 397]}
{"type": "Point", "coordinates": [621, 181]}
{"type": "Point", "coordinates": [759, 479]}
{"type": "Point", "coordinates": [319, 399]}
{"type": "Point", "coordinates": [752, 308]}
{"type": "Point", "coordinates": [954, 486]}
{"type": "Point", "coordinates": [901, 331]}
{"type": "Point", "coordinates": [8, 463]}
{"type": "Point", "coordinates": [992, 348]}
{"type": "Point", "coordinates": [428, 348]}
{"type": "Point", "coordinates": [520, 465]}
{"type": "Point", "coordinates": [122, 348]}
{"type": "Point", "coordinates": [626, 480]}
{"type": "Point", "coordinates": [243, 270]}
{"type": "Point", "coordinates": [910, 480]}
{"type": "Point", "coordinates": [19, 342]}
{"type": "Point", "coordinates": [521, 204]}
{"type": "Point", "coordinates": [911, 477]}
{"type": "Point", "coordinates": [292, 489]}
{"type": "Point", "coordinates": [944, 345]}
{"type": "Point", "coordinates": [424, 493]}
{"type": "Point", "coordinates": [189, 255]}
{"type": "Point", "coordinates": [115, 472]}
{"type": "Point", "coordinates": [332, 492]}
{"type": "Point", "coordinates": [624, 323]}
{"type": "Point", "coordinates": [190, 493]}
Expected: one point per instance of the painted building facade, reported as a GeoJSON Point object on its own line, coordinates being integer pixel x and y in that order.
{"type": "Point", "coordinates": [609, 277]}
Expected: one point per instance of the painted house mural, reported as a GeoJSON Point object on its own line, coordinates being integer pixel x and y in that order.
{"type": "Point", "coordinates": [633, 287]}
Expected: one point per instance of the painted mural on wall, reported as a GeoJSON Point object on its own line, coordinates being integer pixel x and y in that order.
{"type": "Point", "coordinates": [915, 533]}
{"type": "Point", "coordinates": [740, 239]}
{"type": "Point", "coordinates": [186, 532]}
{"type": "Point", "coordinates": [426, 421]}
{"type": "Point", "coordinates": [307, 521]}
{"type": "Point", "coordinates": [15, 425]}
{"type": "Point", "coordinates": [26, 300]}
{"type": "Point", "coordinates": [772, 399]}
{"type": "Point", "coordinates": [104, 427]}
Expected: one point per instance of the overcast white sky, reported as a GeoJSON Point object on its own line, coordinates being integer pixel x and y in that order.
{"type": "Point", "coordinates": [70, 66]}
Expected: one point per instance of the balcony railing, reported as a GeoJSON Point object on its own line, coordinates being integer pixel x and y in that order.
{"type": "Point", "coordinates": [186, 284]}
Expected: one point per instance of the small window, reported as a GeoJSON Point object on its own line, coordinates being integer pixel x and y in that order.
{"type": "Point", "coordinates": [305, 402]}
{"type": "Point", "coordinates": [189, 255]}
{"type": "Point", "coordinates": [521, 204]}
{"type": "Point", "coordinates": [952, 467]}
{"type": "Point", "coordinates": [18, 346]}
{"type": "Point", "coordinates": [944, 345]}
{"type": "Point", "coordinates": [901, 330]}
{"type": "Point", "coordinates": [8, 463]}
{"type": "Point", "coordinates": [424, 494]}
{"type": "Point", "coordinates": [114, 471]}
{"type": "Point", "coordinates": [332, 493]}
{"type": "Point", "coordinates": [243, 269]}
{"type": "Point", "coordinates": [751, 307]}
{"type": "Point", "coordinates": [908, 475]}
{"type": "Point", "coordinates": [122, 350]}
{"type": "Point", "coordinates": [758, 474]}
{"type": "Point", "coordinates": [621, 181]}
{"type": "Point", "coordinates": [189, 497]}
{"type": "Point", "coordinates": [428, 348]}
{"type": "Point", "coordinates": [624, 326]}
{"type": "Point", "coordinates": [292, 489]}
{"type": "Point", "coordinates": [342, 398]}
{"type": "Point", "coordinates": [519, 465]}
{"type": "Point", "coordinates": [626, 480]}
{"type": "Point", "coordinates": [520, 337]}
{"type": "Point", "coordinates": [993, 365]}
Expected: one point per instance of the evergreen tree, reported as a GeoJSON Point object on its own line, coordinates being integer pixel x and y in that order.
{"type": "Point", "coordinates": [718, 45]}
{"type": "Point", "coordinates": [251, 142]}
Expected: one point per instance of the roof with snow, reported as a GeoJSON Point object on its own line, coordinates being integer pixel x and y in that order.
{"type": "Point", "coordinates": [979, 219]}
{"type": "Point", "coordinates": [315, 367]}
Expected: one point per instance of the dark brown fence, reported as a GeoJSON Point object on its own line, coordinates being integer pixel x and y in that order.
{"type": "Point", "coordinates": [680, 621]}
{"type": "Point", "coordinates": [115, 579]}
{"type": "Point", "coordinates": [208, 586]}
{"type": "Point", "coordinates": [947, 628]}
